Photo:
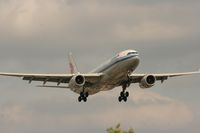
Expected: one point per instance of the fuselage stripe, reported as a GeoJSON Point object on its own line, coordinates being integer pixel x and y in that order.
{"type": "Point", "coordinates": [117, 61]}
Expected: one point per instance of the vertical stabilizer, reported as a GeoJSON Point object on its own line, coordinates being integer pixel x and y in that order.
{"type": "Point", "coordinates": [72, 65]}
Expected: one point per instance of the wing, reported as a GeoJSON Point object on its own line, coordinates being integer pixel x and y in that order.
{"type": "Point", "coordinates": [58, 78]}
{"type": "Point", "coordinates": [136, 78]}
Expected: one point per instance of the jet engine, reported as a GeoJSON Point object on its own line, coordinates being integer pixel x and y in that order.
{"type": "Point", "coordinates": [147, 81]}
{"type": "Point", "coordinates": [77, 81]}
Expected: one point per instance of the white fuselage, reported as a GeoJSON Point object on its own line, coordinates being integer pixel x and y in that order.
{"type": "Point", "coordinates": [115, 71]}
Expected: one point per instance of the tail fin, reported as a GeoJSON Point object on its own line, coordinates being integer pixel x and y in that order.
{"type": "Point", "coordinates": [72, 65]}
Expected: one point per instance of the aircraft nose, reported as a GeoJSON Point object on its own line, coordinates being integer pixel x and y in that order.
{"type": "Point", "coordinates": [136, 60]}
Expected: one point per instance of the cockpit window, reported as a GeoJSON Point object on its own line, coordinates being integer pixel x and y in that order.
{"type": "Point", "coordinates": [132, 53]}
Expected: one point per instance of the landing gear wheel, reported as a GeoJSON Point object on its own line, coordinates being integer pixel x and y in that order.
{"type": "Point", "coordinates": [120, 99]}
{"type": "Point", "coordinates": [127, 94]}
{"type": "Point", "coordinates": [79, 98]}
{"type": "Point", "coordinates": [125, 99]}
{"type": "Point", "coordinates": [122, 94]}
{"type": "Point", "coordinates": [85, 99]}
{"type": "Point", "coordinates": [83, 96]}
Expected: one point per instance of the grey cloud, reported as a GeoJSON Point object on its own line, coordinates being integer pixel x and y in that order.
{"type": "Point", "coordinates": [59, 116]}
{"type": "Point", "coordinates": [36, 36]}
{"type": "Point", "coordinates": [93, 22]}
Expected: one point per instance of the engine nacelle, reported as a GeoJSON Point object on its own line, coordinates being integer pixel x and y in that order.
{"type": "Point", "coordinates": [77, 81]}
{"type": "Point", "coordinates": [147, 81]}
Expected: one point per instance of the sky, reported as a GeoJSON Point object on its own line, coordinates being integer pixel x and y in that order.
{"type": "Point", "coordinates": [37, 35]}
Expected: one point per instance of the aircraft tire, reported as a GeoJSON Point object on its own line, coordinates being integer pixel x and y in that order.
{"type": "Point", "coordinates": [122, 94]}
{"type": "Point", "coordinates": [120, 99]}
{"type": "Point", "coordinates": [125, 99]}
{"type": "Point", "coordinates": [127, 94]}
{"type": "Point", "coordinates": [85, 99]}
{"type": "Point", "coordinates": [79, 98]}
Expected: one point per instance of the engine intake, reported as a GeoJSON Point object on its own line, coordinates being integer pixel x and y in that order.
{"type": "Point", "coordinates": [147, 81]}
{"type": "Point", "coordinates": [80, 80]}
{"type": "Point", "coordinates": [77, 81]}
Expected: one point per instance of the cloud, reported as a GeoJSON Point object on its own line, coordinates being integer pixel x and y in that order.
{"type": "Point", "coordinates": [13, 114]}
{"type": "Point", "coordinates": [29, 17]}
{"type": "Point", "coordinates": [150, 31]}
{"type": "Point", "coordinates": [147, 97]}
{"type": "Point", "coordinates": [149, 110]}
{"type": "Point", "coordinates": [41, 32]}
{"type": "Point", "coordinates": [91, 20]}
{"type": "Point", "coordinates": [145, 110]}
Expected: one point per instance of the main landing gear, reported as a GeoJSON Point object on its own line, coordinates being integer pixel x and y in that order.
{"type": "Point", "coordinates": [124, 94]}
{"type": "Point", "coordinates": [83, 96]}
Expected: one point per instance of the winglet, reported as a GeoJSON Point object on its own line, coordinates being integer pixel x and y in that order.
{"type": "Point", "coordinates": [72, 65]}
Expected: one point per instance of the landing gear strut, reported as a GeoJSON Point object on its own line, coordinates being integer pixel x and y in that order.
{"type": "Point", "coordinates": [123, 94]}
{"type": "Point", "coordinates": [83, 96]}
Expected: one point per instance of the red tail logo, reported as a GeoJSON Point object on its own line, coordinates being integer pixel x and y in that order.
{"type": "Point", "coordinates": [71, 68]}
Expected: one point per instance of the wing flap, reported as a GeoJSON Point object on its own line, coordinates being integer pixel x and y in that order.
{"type": "Point", "coordinates": [47, 79]}
{"type": "Point", "coordinates": [48, 86]}
{"type": "Point", "coordinates": [58, 78]}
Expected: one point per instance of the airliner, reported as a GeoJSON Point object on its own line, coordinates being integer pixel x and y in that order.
{"type": "Point", "coordinates": [117, 71]}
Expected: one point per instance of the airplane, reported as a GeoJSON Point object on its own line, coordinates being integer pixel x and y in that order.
{"type": "Point", "coordinates": [117, 71]}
